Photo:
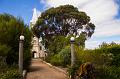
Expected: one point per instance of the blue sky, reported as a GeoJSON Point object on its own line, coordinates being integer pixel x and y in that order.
{"type": "Point", "coordinates": [20, 8]}
{"type": "Point", "coordinates": [105, 14]}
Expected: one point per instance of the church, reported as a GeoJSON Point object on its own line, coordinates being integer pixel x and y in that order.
{"type": "Point", "coordinates": [38, 50]}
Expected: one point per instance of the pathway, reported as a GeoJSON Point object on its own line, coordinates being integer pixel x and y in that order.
{"type": "Point", "coordinates": [40, 70]}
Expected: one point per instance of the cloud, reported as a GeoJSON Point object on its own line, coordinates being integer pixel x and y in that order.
{"type": "Point", "coordinates": [102, 13]}
{"type": "Point", "coordinates": [42, 1]}
{"type": "Point", "coordinates": [108, 28]}
{"type": "Point", "coordinates": [92, 44]}
{"type": "Point", "coordinates": [101, 10]}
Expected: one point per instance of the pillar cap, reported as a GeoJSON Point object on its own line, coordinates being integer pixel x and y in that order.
{"type": "Point", "coordinates": [72, 39]}
{"type": "Point", "coordinates": [22, 37]}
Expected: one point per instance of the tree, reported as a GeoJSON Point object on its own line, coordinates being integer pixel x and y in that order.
{"type": "Point", "coordinates": [58, 43]}
{"type": "Point", "coordinates": [63, 20]}
{"type": "Point", "coordinates": [80, 41]}
{"type": "Point", "coordinates": [103, 45]}
{"type": "Point", "coordinates": [10, 30]}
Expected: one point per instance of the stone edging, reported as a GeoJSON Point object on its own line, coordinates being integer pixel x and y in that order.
{"type": "Point", "coordinates": [59, 69]}
{"type": "Point", "coordinates": [24, 74]}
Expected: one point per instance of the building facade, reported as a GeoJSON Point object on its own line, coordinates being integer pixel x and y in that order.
{"type": "Point", "coordinates": [38, 50]}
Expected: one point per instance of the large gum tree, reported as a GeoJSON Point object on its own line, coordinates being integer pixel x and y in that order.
{"type": "Point", "coordinates": [64, 20]}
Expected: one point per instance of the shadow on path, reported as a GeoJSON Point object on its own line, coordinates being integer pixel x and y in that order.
{"type": "Point", "coordinates": [40, 70]}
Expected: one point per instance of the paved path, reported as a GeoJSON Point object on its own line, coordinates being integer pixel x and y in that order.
{"type": "Point", "coordinates": [40, 70]}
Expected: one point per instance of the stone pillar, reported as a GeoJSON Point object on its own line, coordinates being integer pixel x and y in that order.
{"type": "Point", "coordinates": [21, 54]}
{"type": "Point", "coordinates": [72, 52]}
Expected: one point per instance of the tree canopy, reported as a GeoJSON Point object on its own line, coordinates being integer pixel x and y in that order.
{"type": "Point", "coordinates": [63, 20]}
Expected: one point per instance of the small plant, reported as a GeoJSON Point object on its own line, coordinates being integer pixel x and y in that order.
{"type": "Point", "coordinates": [11, 74]}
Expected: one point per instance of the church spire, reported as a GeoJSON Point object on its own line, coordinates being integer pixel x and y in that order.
{"type": "Point", "coordinates": [35, 16]}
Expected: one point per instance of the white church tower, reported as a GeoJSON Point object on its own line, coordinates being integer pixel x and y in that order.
{"type": "Point", "coordinates": [35, 16]}
{"type": "Point", "coordinates": [37, 48]}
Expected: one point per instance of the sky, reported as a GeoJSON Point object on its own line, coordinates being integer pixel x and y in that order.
{"type": "Point", "coordinates": [105, 14]}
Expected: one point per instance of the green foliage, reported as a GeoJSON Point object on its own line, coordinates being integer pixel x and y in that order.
{"type": "Point", "coordinates": [12, 73]}
{"type": "Point", "coordinates": [60, 21]}
{"type": "Point", "coordinates": [114, 49]}
{"type": "Point", "coordinates": [62, 58]}
{"type": "Point", "coordinates": [56, 60]}
{"type": "Point", "coordinates": [108, 72]}
{"type": "Point", "coordinates": [65, 55]}
{"type": "Point", "coordinates": [72, 70]}
{"type": "Point", "coordinates": [2, 63]}
{"type": "Point", "coordinates": [80, 41]}
{"type": "Point", "coordinates": [63, 21]}
{"type": "Point", "coordinates": [57, 43]}
{"type": "Point", "coordinates": [100, 56]}
{"type": "Point", "coordinates": [10, 30]}
{"type": "Point", "coordinates": [116, 60]}
{"type": "Point", "coordinates": [105, 59]}
{"type": "Point", "coordinates": [4, 50]}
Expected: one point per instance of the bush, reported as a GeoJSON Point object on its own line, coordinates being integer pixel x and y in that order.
{"type": "Point", "coordinates": [73, 70]}
{"type": "Point", "coordinates": [11, 74]}
{"type": "Point", "coordinates": [55, 60]}
{"type": "Point", "coordinates": [10, 30]}
{"type": "Point", "coordinates": [114, 49]}
{"type": "Point", "coordinates": [108, 72]}
{"type": "Point", "coordinates": [106, 60]}
{"type": "Point", "coordinates": [62, 58]}
{"type": "Point", "coordinates": [26, 59]}
{"type": "Point", "coordinates": [95, 56]}
{"type": "Point", "coordinates": [3, 53]}
{"type": "Point", "coordinates": [65, 56]}
{"type": "Point", "coordinates": [116, 61]}
{"type": "Point", "coordinates": [57, 43]}
{"type": "Point", "coordinates": [4, 50]}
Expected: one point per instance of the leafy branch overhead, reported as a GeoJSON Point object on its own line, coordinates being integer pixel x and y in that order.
{"type": "Point", "coordinates": [63, 20]}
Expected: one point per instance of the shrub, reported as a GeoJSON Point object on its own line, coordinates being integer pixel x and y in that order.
{"type": "Point", "coordinates": [114, 49]}
{"type": "Point", "coordinates": [4, 50]}
{"type": "Point", "coordinates": [11, 74]}
{"type": "Point", "coordinates": [62, 58]}
{"type": "Point", "coordinates": [108, 72]}
{"type": "Point", "coordinates": [3, 54]}
{"type": "Point", "coordinates": [10, 30]}
{"type": "Point", "coordinates": [95, 56]}
{"type": "Point", "coordinates": [55, 60]}
{"type": "Point", "coordinates": [65, 56]}
{"type": "Point", "coordinates": [116, 61]}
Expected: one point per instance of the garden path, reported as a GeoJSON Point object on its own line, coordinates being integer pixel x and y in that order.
{"type": "Point", "coordinates": [40, 70]}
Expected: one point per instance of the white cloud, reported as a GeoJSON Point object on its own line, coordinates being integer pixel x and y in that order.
{"type": "Point", "coordinates": [92, 44]}
{"type": "Point", "coordinates": [102, 13]}
{"type": "Point", "coordinates": [42, 1]}
{"type": "Point", "coordinates": [98, 10]}
{"type": "Point", "coordinates": [108, 28]}
{"type": "Point", "coordinates": [101, 10]}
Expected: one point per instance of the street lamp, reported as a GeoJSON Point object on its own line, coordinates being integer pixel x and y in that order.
{"type": "Point", "coordinates": [72, 40]}
{"type": "Point", "coordinates": [21, 54]}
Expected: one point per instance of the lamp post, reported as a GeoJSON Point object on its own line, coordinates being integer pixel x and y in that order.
{"type": "Point", "coordinates": [72, 40]}
{"type": "Point", "coordinates": [21, 54]}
